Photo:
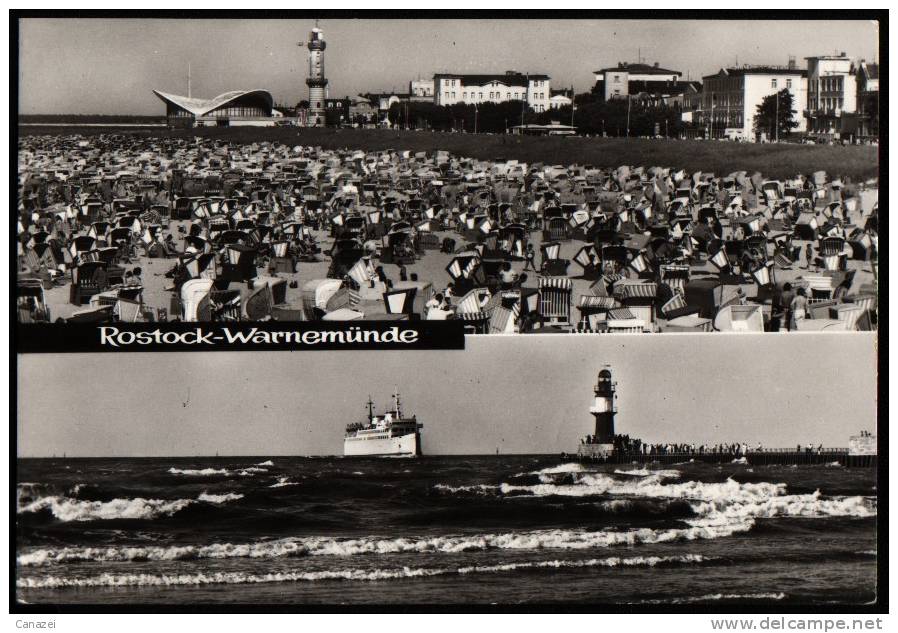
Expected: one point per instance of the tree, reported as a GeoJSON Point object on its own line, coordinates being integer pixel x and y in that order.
{"type": "Point", "coordinates": [775, 116]}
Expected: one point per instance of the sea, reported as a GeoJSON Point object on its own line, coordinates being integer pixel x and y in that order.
{"type": "Point", "coordinates": [484, 530]}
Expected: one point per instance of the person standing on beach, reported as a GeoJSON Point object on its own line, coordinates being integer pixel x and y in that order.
{"type": "Point", "coordinates": [799, 308]}
{"type": "Point", "coordinates": [529, 258]}
{"type": "Point", "coordinates": [786, 303]}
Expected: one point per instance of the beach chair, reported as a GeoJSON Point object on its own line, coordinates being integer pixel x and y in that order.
{"type": "Point", "coordinates": [831, 253]}
{"type": "Point", "coordinates": [551, 263]}
{"type": "Point", "coordinates": [555, 301]}
{"type": "Point", "coordinates": [88, 279]}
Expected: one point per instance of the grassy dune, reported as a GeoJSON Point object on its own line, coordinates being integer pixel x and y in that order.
{"type": "Point", "coordinates": [773, 161]}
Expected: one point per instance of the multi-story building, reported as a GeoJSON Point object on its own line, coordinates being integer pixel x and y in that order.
{"type": "Point", "coordinates": [449, 89]}
{"type": "Point", "coordinates": [421, 89]}
{"type": "Point", "coordinates": [730, 98]}
{"type": "Point", "coordinates": [648, 80]}
{"type": "Point", "coordinates": [832, 92]}
{"type": "Point", "coordinates": [863, 123]}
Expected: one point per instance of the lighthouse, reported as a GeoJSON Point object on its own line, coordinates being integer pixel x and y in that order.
{"type": "Point", "coordinates": [603, 408]}
{"type": "Point", "coordinates": [600, 445]}
{"type": "Point", "coordinates": [316, 80]}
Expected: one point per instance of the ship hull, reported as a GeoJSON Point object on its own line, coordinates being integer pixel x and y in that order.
{"type": "Point", "coordinates": [403, 445]}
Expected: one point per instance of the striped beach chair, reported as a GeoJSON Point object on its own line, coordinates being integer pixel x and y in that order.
{"type": "Point", "coordinates": [555, 300]}
{"type": "Point", "coordinates": [676, 276]}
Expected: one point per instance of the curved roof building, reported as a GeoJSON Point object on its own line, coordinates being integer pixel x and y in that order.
{"type": "Point", "coordinates": [237, 107]}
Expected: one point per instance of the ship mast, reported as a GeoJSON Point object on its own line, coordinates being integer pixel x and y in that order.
{"type": "Point", "coordinates": [398, 404]}
{"type": "Point", "coordinates": [370, 409]}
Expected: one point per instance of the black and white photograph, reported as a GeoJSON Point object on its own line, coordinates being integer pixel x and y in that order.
{"type": "Point", "coordinates": [617, 179]}
{"type": "Point", "coordinates": [272, 269]}
{"type": "Point", "coordinates": [546, 471]}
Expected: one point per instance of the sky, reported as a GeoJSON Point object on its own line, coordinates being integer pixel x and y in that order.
{"type": "Point", "coordinates": [522, 394]}
{"type": "Point", "coordinates": [109, 66]}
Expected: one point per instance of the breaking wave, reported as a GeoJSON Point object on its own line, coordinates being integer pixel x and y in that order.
{"type": "Point", "coordinates": [266, 463]}
{"type": "Point", "coordinates": [282, 482]}
{"type": "Point", "coordinates": [205, 472]}
{"type": "Point", "coordinates": [645, 472]}
{"type": "Point", "coordinates": [719, 508]}
{"type": "Point", "coordinates": [143, 580]}
{"type": "Point", "coordinates": [327, 546]}
{"type": "Point", "coordinates": [713, 597]}
{"type": "Point", "coordinates": [68, 509]}
{"type": "Point", "coordinates": [229, 496]}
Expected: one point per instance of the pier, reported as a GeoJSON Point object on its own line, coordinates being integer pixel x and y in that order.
{"type": "Point", "coordinates": [766, 457]}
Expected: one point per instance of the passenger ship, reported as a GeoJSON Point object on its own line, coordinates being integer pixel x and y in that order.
{"type": "Point", "coordinates": [387, 434]}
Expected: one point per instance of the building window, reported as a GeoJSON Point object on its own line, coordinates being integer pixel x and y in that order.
{"type": "Point", "coordinates": [481, 96]}
{"type": "Point", "coordinates": [789, 83]}
{"type": "Point", "coordinates": [447, 95]}
{"type": "Point", "coordinates": [773, 83]}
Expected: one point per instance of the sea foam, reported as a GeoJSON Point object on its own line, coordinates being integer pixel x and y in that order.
{"type": "Point", "coordinates": [145, 580]}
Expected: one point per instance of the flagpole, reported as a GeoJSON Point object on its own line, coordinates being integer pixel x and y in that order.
{"type": "Point", "coordinates": [572, 105]}
{"type": "Point", "coordinates": [628, 116]}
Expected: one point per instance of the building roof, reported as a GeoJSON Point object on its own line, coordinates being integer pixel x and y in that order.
{"type": "Point", "coordinates": [639, 69]}
{"type": "Point", "coordinates": [199, 107]}
{"type": "Point", "coordinates": [839, 57]}
{"type": "Point", "coordinates": [508, 78]}
{"type": "Point", "coordinates": [871, 70]}
{"type": "Point", "coordinates": [758, 70]}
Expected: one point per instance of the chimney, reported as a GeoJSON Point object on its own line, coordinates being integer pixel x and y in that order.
{"type": "Point", "coordinates": [656, 64]}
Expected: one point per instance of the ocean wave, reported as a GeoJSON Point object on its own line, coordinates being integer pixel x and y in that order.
{"type": "Point", "coordinates": [266, 463]}
{"type": "Point", "coordinates": [229, 496]}
{"type": "Point", "coordinates": [722, 508]}
{"type": "Point", "coordinates": [792, 506]}
{"type": "Point", "coordinates": [713, 597]}
{"type": "Point", "coordinates": [645, 472]}
{"type": "Point", "coordinates": [251, 471]}
{"type": "Point", "coordinates": [327, 546]}
{"type": "Point", "coordinates": [143, 580]}
{"type": "Point", "coordinates": [594, 484]}
{"type": "Point", "coordinates": [204, 472]}
{"type": "Point", "coordinates": [479, 489]}
{"type": "Point", "coordinates": [282, 482]}
{"type": "Point", "coordinates": [568, 467]}
{"type": "Point", "coordinates": [67, 509]}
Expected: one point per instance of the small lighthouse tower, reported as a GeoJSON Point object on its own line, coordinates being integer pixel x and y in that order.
{"type": "Point", "coordinates": [316, 80]}
{"type": "Point", "coordinates": [603, 408]}
{"type": "Point", "coordinates": [600, 444]}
